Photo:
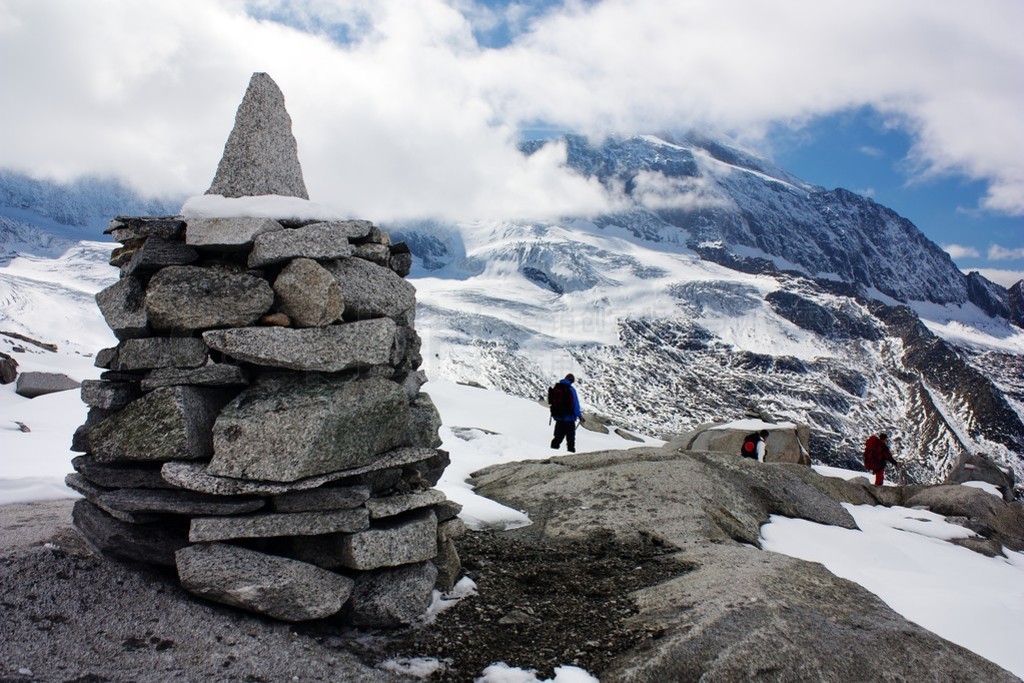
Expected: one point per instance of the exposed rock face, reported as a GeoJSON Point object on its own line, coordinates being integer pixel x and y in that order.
{"type": "Point", "coordinates": [32, 384]}
{"type": "Point", "coordinates": [321, 241]}
{"type": "Point", "coordinates": [261, 156]}
{"type": "Point", "coordinates": [733, 610]}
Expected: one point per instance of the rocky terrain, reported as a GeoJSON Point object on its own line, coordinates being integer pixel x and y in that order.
{"type": "Point", "coordinates": [641, 565]}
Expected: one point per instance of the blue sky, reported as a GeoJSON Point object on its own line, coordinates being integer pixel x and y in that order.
{"type": "Point", "coordinates": [406, 108]}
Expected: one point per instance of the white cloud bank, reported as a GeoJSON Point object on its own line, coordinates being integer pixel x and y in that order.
{"type": "Point", "coordinates": [411, 116]}
{"type": "Point", "coordinates": [960, 251]}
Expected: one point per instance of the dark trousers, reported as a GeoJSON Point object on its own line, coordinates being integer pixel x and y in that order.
{"type": "Point", "coordinates": [565, 430]}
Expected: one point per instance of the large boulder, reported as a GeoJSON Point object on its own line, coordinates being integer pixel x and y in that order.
{"type": "Point", "coordinates": [190, 298]}
{"type": "Point", "coordinates": [786, 442]}
{"type": "Point", "coordinates": [275, 586]}
{"type": "Point", "coordinates": [324, 424]}
{"type": "Point", "coordinates": [334, 348]}
{"type": "Point", "coordinates": [33, 384]}
{"type": "Point", "coordinates": [260, 156]}
{"type": "Point", "coordinates": [979, 467]}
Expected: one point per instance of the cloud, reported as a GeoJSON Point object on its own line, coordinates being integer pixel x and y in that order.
{"type": "Point", "coordinates": [998, 253]}
{"type": "Point", "coordinates": [868, 150]}
{"type": "Point", "coordinates": [1006, 278]}
{"type": "Point", "coordinates": [959, 251]}
{"type": "Point", "coordinates": [654, 190]}
{"type": "Point", "coordinates": [399, 111]}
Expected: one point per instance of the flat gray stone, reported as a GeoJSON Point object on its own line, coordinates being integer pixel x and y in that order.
{"type": "Point", "coordinates": [324, 498]}
{"type": "Point", "coordinates": [323, 424]}
{"type": "Point", "coordinates": [33, 384]}
{"type": "Point", "coordinates": [131, 476]}
{"type": "Point", "coordinates": [94, 494]}
{"type": "Point", "coordinates": [389, 506]}
{"type": "Point", "coordinates": [451, 529]}
{"type": "Point", "coordinates": [391, 597]}
{"type": "Point", "coordinates": [192, 298]}
{"type": "Point", "coordinates": [156, 253]}
{"type": "Point", "coordinates": [108, 395]}
{"type": "Point", "coordinates": [150, 543]}
{"type": "Point", "coordinates": [372, 291]}
{"type": "Point", "coordinates": [390, 544]}
{"type": "Point", "coordinates": [175, 502]}
{"type": "Point", "coordinates": [352, 230]}
{"type": "Point", "coordinates": [320, 241]}
{"type": "Point", "coordinates": [308, 294]}
{"type": "Point", "coordinates": [271, 525]}
{"type": "Point", "coordinates": [209, 375]}
{"type": "Point", "coordinates": [324, 349]}
{"type": "Point", "coordinates": [275, 586]}
{"type": "Point", "coordinates": [260, 156]}
{"type": "Point", "coordinates": [195, 476]}
{"type": "Point", "coordinates": [122, 307]}
{"type": "Point", "coordinates": [170, 423]}
{"type": "Point", "coordinates": [227, 234]}
{"type": "Point", "coordinates": [159, 352]}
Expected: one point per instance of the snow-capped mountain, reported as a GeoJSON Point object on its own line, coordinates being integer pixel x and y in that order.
{"type": "Point", "coordinates": [722, 280]}
{"type": "Point", "coordinates": [719, 281]}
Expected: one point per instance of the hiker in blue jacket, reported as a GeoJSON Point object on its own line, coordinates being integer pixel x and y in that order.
{"type": "Point", "coordinates": [565, 409]}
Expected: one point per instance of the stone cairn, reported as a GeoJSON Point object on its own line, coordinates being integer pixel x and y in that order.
{"type": "Point", "coordinates": [260, 426]}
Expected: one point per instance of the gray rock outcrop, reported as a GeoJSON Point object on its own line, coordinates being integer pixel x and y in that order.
{"type": "Point", "coordinates": [786, 442]}
{"type": "Point", "coordinates": [261, 155]}
{"type": "Point", "coordinates": [732, 612]}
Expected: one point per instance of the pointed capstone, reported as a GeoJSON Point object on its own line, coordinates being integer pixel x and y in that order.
{"type": "Point", "coordinates": [260, 156]}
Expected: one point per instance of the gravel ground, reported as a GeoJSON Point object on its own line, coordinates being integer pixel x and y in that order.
{"type": "Point", "coordinates": [67, 614]}
{"type": "Point", "coordinates": [538, 606]}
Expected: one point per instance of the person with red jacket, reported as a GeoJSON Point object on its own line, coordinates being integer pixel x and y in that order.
{"type": "Point", "coordinates": [877, 455]}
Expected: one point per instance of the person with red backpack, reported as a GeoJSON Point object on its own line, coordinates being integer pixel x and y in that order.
{"type": "Point", "coordinates": [565, 410]}
{"type": "Point", "coordinates": [754, 445]}
{"type": "Point", "coordinates": [877, 455]}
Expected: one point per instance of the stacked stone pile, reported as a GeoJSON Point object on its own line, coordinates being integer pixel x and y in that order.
{"type": "Point", "coordinates": [260, 425]}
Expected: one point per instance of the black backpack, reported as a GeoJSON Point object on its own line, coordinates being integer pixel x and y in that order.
{"type": "Point", "coordinates": [560, 400]}
{"type": "Point", "coordinates": [749, 448]}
